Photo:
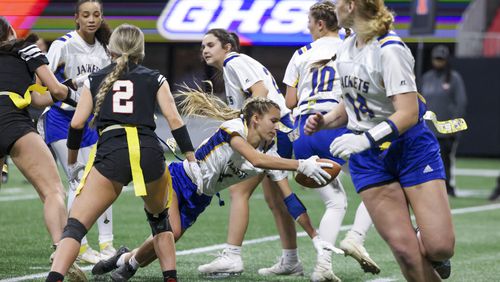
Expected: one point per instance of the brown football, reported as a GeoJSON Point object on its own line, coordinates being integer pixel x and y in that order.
{"type": "Point", "coordinates": [308, 182]}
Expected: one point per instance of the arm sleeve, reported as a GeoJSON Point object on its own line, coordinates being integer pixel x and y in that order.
{"type": "Point", "coordinates": [292, 75]}
{"type": "Point", "coordinates": [460, 95]}
{"type": "Point", "coordinates": [246, 74]}
{"type": "Point", "coordinates": [33, 57]}
{"type": "Point", "coordinates": [397, 70]}
{"type": "Point", "coordinates": [55, 55]}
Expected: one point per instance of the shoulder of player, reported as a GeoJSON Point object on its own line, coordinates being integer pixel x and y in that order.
{"type": "Point", "coordinates": [66, 39]}
{"type": "Point", "coordinates": [390, 40]}
{"type": "Point", "coordinates": [233, 59]}
{"type": "Point", "coordinates": [302, 50]}
{"type": "Point", "coordinates": [233, 127]}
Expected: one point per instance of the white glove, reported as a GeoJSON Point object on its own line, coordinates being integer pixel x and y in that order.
{"type": "Point", "coordinates": [313, 169]}
{"type": "Point", "coordinates": [322, 246]}
{"type": "Point", "coordinates": [74, 171]}
{"type": "Point", "coordinates": [348, 144]}
{"type": "Point", "coordinates": [197, 176]}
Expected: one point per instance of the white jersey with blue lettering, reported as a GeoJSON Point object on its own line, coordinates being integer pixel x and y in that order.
{"type": "Point", "coordinates": [222, 166]}
{"type": "Point", "coordinates": [76, 58]}
{"type": "Point", "coordinates": [371, 75]}
{"type": "Point", "coordinates": [240, 73]}
{"type": "Point", "coordinates": [318, 89]}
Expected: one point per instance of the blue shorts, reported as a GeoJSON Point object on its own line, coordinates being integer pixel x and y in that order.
{"type": "Point", "coordinates": [285, 147]}
{"type": "Point", "coordinates": [191, 205]}
{"type": "Point", "coordinates": [318, 143]}
{"type": "Point", "coordinates": [57, 123]}
{"type": "Point", "coordinates": [411, 159]}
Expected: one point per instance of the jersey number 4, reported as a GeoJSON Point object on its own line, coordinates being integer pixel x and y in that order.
{"type": "Point", "coordinates": [123, 91]}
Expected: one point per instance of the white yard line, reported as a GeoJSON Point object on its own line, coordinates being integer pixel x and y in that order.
{"type": "Point", "coordinates": [261, 240]}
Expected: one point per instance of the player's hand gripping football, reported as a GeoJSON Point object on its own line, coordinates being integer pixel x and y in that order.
{"type": "Point", "coordinates": [348, 144]}
{"type": "Point", "coordinates": [314, 123]}
{"type": "Point", "coordinates": [313, 169]}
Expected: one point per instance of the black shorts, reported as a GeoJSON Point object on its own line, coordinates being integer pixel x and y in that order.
{"type": "Point", "coordinates": [13, 125]}
{"type": "Point", "coordinates": [112, 158]}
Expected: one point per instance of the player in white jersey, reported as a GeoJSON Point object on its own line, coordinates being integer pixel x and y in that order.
{"type": "Point", "coordinates": [73, 57]}
{"type": "Point", "coordinates": [380, 105]}
{"type": "Point", "coordinates": [244, 77]}
{"type": "Point", "coordinates": [242, 148]}
{"type": "Point", "coordinates": [314, 87]}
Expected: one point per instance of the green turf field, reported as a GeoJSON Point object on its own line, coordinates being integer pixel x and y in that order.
{"type": "Point", "coordinates": [25, 244]}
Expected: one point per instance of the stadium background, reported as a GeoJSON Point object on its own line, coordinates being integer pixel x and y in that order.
{"type": "Point", "coordinates": [180, 60]}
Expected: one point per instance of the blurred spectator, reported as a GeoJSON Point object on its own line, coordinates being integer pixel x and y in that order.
{"type": "Point", "coordinates": [444, 90]}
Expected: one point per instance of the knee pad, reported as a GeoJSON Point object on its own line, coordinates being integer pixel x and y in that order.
{"type": "Point", "coordinates": [74, 229]}
{"type": "Point", "coordinates": [159, 222]}
{"type": "Point", "coordinates": [294, 206]}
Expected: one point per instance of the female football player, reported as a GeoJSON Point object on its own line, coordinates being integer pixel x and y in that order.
{"type": "Point", "coordinates": [21, 60]}
{"type": "Point", "coordinates": [241, 149]}
{"type": "Point", "coordinates": [122, 98]}
{"type": "Point", "coordinates": [73, 57]}
{"type": "Point", "coordinates": [315, 88]}
{"type": "Point", "coordinates": [245, 77]}
{"type": "Point", "coordinates": [381, 104]}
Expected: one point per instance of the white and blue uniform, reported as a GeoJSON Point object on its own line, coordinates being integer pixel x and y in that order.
{"type": "Point", "coordinates": [221, 167]}
{"type": "Point", "coordinates": [71, 57]}
{"type": "Point", "coordinates": [240, 73]}
{"type": "Point", "coordinates": [369, 77]}
{"type": "Point", "coordinates": [318, 90]}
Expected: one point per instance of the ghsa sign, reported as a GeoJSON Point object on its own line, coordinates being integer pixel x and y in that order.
{"type": "Point", "coordinates": [258, 22]}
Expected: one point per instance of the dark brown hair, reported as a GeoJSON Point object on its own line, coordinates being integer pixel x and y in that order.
{"type": "Point", "coordinates": [12, 46]}
{"type": "Point", "coordinates": [325, 11]}
{"type": "Point", "coordinates": [225, 37]}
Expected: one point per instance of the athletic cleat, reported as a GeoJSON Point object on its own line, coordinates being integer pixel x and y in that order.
{"type": "Point", "coordinates": [225, 264]}
{"type": "Point", "coordinates": [75, 274]}
{"type": "Point", "coordinates": [323, 268]}
{"type": "Point", "coordinates": [88, 255]}
{"type": "Point", "coordinates": [443, 268]}
{"type": "Point", "coordinates": [107, 265]}
{"type": "Point", "coordinates": [108, 251]}
{"type": "Point", "coordinates": [282, 268]}
{"type": "Point", "coordinates": [123, 273]}
{"type": "Point", "coordinates": [359, 253]}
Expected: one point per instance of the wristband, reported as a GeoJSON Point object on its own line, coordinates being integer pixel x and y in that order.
{"type": "Point", "coordinates": [382, 132]}
{"type": "Point", "coordinates": [181, 136]}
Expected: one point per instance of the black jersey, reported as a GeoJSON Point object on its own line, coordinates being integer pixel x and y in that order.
{"type": "Point", "coordinates": [17, 71]}
{"type": "Point", "coordinates": [132, 98]}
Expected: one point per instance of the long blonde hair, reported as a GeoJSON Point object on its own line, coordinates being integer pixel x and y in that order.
{"type": "Point", "coordinates": [126, 44]}
{"type": "Point", "coordinates": [379, 19]}
{"type": "Point", "coordinates": [195, 102]}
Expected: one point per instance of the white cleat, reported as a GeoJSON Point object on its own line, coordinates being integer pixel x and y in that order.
{"type": "Point", "coordinates": [323, 268]}
{"type": "Point", "coordinates": [89, 256]}
{"type": "Point", "coordinates": [356, 250]}
{"type": "Point", "coordinates": [225, 264]}
{"type": "Point", "coordinates": [75, 274]}
{"type": "Point", "coordinates": [282, 268]}
{"type": "Point", "coordinates": [108, 251]}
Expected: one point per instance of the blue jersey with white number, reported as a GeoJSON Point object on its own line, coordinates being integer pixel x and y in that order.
{"type": "Point", "coordinates": [318, 87]}
{"type": "Point", "coordinates": [240, 73]}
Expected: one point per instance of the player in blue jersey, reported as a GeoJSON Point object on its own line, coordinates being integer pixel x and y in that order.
{"type": "Point", "coordinates": [73, 57]}
{"type": "Point", "coordinates": [241, 149]}
{"type": "Point", "coordinates": [381, 105]}
{"type": "Point", "coordinates": [244, 77]}
{"type": "Point", "coordinates": [314, 87]}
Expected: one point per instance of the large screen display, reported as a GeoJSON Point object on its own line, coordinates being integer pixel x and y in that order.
{"type": "Point", "coordinates": [258, 22]}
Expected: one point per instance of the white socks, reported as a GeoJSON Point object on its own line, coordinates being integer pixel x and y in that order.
{"type": "Point", "coordinates": [290, 256]}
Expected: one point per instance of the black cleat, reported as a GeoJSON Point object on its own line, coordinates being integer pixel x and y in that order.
{"type": "Point", "coordinates": [107, 265]}
{"type": "Point", "coordinates": [123, 273]}
{"type": "Point", "coordinates": [443, 268]}
{"type": "Point", "coordinates": [495, 195]}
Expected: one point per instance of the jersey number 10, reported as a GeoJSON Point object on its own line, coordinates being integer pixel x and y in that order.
{"type": "Point", "coordinates": [123, 90]}
{"type": "Point", "coordinates": [322, 79]}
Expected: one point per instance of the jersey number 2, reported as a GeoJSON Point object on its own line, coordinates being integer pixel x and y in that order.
{"type": "Point", "coordinates": [123, 90]}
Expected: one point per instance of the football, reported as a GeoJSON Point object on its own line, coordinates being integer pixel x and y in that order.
{"type": "Point", "coordinates": [308, 182]}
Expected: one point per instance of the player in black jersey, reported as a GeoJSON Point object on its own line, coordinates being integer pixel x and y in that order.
{"type": "Point", "coordinates": [122, 97]}
{"type": "Point", "coordinates": [21, 59]}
